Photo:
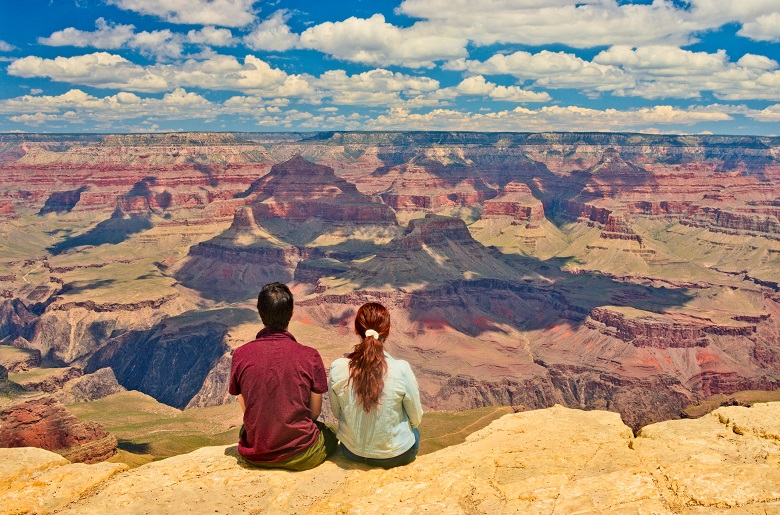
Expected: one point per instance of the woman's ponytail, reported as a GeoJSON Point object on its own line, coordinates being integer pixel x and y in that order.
{"type": "Point", "coordinates": [367, 364]}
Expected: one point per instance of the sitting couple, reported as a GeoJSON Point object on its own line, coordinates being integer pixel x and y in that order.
{"type": "Point", "coordinates": [279, 384]}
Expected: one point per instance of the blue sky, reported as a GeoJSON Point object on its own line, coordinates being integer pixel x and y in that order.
{"type": "Point", "coordinates": [697, 66]}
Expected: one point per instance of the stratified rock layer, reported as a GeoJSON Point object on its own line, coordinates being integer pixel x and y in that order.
{"type": "Point", "coordinates": [45, 423]}
{"type": "Point", "coordinates": [555, 461]}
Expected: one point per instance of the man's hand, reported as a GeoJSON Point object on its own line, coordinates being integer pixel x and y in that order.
{"type": "Point", "coordinates": [315, 405]}
{"type": "Point", "coordinates": [241, 402]}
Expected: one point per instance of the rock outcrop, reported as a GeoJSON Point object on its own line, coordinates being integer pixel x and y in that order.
{"type": "Point", "coordinates": [17, 358]}
{"type": "Point", "coordinates": [90, 387]}
{"type": "Point", "coordinates": [47, 424]}
{"type": "Point", "coordinates": [299, 189]}
{"type": "Point", "coordinates": [550, 461]}
{"type": "Point", "coordinates": [515, 201]}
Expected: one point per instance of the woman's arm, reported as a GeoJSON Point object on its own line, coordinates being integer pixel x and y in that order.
{"type": "Point", "coordinates": [411, 401]}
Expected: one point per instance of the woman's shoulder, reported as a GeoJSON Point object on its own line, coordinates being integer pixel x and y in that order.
{"type": "Point", "coordinates": [398, 364]}
{"type": "Point", "coordinates": [339, 365]}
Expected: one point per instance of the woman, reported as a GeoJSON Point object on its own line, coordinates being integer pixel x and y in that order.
{"type": "Point", "coordinates": [375, 397]}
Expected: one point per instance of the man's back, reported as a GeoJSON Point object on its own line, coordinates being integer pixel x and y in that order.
{"type": "Point", "coordinates": [276, 375]}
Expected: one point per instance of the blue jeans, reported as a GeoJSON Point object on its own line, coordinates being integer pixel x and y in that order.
{"type": "Point", "coordinates": [387, 463]}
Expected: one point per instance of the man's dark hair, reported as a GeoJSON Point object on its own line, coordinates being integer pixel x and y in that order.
{"type": "Point", "coordinates": [275, 305]}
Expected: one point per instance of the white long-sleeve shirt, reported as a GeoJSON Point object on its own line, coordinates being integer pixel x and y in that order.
{"type": "Point", "coordinates": [386, 431]}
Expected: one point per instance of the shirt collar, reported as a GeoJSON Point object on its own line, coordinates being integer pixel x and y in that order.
{"type": "Point", "coordinates": [267, 331]}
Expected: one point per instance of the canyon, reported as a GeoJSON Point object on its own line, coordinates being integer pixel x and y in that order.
{"type": "Point", "coordinates": [632, 273]}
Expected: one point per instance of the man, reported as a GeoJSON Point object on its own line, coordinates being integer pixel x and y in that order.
{"type": "Point", "coordinates": [279, 384]}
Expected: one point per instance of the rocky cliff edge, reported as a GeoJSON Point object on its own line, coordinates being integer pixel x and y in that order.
{"type": "Point", "coordinates": [556, 460]}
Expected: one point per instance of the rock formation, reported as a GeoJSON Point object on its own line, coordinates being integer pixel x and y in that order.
{"type": "Point", "coordinates": [517, 202]}
{"type": "Point", "coordinates": [18, 358]}
{"type": "Point", "coordinates": [549, 461]}
{"type": "Point", "coordinates": [89, 387]}
{"type": "Point", "coordinates": [46, 424]}
{"type": "Point", "coordinates": [299, 189]}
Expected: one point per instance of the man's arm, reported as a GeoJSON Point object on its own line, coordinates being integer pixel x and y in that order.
{"type": "Point", "coordinates": [315, 405]}
{"type": "Point", "coordinates": [241, 402]}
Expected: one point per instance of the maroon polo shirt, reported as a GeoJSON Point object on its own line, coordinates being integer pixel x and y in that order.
{"type": "Point", "coordinates": [276, 375]}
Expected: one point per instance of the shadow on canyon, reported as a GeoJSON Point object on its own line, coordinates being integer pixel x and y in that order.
{"type": "Point", "coordinates": [112, 231]}
{"type": "Point", "coordinates": [173, 360]}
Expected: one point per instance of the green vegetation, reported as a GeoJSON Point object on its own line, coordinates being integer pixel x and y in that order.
{"type": "Point", "coordinates": [148, 430]}
{"type": "Point", "coordinates": [440, 429]}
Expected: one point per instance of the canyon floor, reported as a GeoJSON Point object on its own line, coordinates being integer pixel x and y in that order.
{"type": "Point", "coordinates": [555, 460]}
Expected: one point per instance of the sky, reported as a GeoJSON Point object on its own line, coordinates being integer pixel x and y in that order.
{"type": "Point", "coordinates": [651, 66]}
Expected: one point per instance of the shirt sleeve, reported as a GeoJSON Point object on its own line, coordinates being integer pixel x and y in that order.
{"type": "Point", "coordinates": [235, 387]}
{"type": "Point", "coordinates": [411, 400]}
{"type": "Point", "coordinates": [319, 378]}
{"type": "Point", "coordinates": [335, 406]}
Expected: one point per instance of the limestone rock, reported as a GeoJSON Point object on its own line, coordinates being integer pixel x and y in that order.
{"type": "Point", "coordinates": [38, 481]}
{"type": "Point", "coordinates": [556, 460]}
{"type": "Point", "coordinates": [90, 387]}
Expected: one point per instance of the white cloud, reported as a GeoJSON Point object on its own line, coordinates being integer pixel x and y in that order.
{"type": "Point", "coordinates": [763, 28]}
{"type": "Point", "coordinates": [160, 43]}
{"type": "Point", "coordinates": [664, 72]}
{"type": "Point", "coordinates": [211, 36]}
{"type": "Point", "coordinates": [272, 34]}
{"type": "Point", "coordinates": [770, 114]}
{"type": "Point", "coordinates": [6, 47]}
{"type": "Point", "coordinates": [218, 72]}
{"type": "Point", "coordinates": [107, 35]}
{"type": "Point", "coordinates": [374, 87]}
{"type": "Point", "coordinates": [549, 118]}
{"type": "Point", "coordinates": [76, 106]}
{"type": "Point", "coordinates": [374, 41]}
{"type": "Point", "coordinates": [477, 85]}
{"type": "Point", "coordinates": [224, 13]}
{"type": "Point", "coordinates": [580, 24]}
{"type": "Point", "coordinates": [549, 69]}
{"type": "Point", "coordinates": [652, 72]}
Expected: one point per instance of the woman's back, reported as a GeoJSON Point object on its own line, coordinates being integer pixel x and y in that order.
{"type": "Point", "coordinates": [386, 430]}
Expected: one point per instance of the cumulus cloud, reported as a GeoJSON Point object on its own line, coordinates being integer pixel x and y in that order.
{"type": "Point", "coordinates": [666, 72]}
{"type": "Point", "coordinates": [580, 24]}
{"type": "Point", "coordinates": [224, 13]}
{"type": "Point", "coordinates": [374, 87]}
{"type": "Point", "coordinates": [160, 43]}
{"type": "Point", "coordinates": [76, 106]}
{"type": "Point", "coordinates": [763, 28]}
{"type": "Point", "coordinates": [549, 69]}
{"type": "Point", "coordinates": [6, 47]}
{"type": "Point", "coordinates": [211, 36]}
{"type": "Point", "coordinates": [374, 41]}
{"type": "Point", "coordinates": [272, 34]}
{"type": "Point", "coordinates": [219, 72]}
{"type": "Point", "coordinates": [106, 35]}
{"type": "Point", "coordinates": [653, 72]}
{"type": "Point", "coordinates": [549, 118]}
{"type": "Point", "coordinates": [770, 114]}
{"type": "Point", "coordinates": [477, 85]}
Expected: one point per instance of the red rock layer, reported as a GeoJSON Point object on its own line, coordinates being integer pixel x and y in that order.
{"type": "Point", "coordinates": [516, 201]}
{"type": "Point", "coordinates": [299, 189]}
{"type": "Point", "coordinates": [45, 423]}
{"type": "Point", "coordinates": [662, 331]}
